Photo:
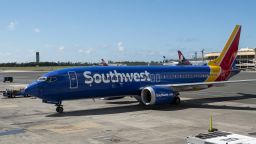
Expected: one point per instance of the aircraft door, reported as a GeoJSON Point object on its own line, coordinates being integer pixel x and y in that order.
{"type": "Point", "coordinates": [73, 79]}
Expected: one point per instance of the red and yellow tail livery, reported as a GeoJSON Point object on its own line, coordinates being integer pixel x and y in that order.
{"type": "Point", "coordinates": [221, 67]}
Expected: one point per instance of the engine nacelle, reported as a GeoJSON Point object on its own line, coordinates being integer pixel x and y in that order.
{"type": "Point", "coordinates": [157, 95]}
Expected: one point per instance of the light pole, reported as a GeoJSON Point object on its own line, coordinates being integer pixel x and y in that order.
{"type": "Point", "coordinates": [202, 55]}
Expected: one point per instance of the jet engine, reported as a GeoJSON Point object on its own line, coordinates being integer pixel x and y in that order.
{"type": "Point", "coordinates": [157, 95]}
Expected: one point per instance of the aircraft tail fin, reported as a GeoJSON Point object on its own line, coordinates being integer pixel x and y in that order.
{"type": "Point", "coordinates": [229, 52]}
{"type": "Point", "coordinates": [103, 63]}
{"type": "Point", "coordinates": [182, 59]}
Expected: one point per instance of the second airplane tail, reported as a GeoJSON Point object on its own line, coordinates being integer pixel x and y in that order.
{"type": "Point", "coordinates": [182, 59]}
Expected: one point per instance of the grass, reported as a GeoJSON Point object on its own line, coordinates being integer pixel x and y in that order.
{"type": "Point", "coordinates": [41, 68]}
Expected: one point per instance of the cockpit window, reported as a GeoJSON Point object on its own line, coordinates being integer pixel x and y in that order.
{"type": "Point", "coordinates": [47, 79]}
{"type": "Point", "coordinates": [42, 79]}
{"type": "Point", "coordinates": [51, 79]}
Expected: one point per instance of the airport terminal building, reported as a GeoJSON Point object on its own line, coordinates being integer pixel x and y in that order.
{"type": "Point", "coordinates": [246, 58]}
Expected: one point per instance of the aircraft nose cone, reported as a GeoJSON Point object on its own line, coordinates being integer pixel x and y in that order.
{"type": "Point", "coordinates": [32, 90]}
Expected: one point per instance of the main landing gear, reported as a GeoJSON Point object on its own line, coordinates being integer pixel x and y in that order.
{"type": "Point", "coordinates": [59, 108]}
{"type": "Point", "coordinates": [176, 100]}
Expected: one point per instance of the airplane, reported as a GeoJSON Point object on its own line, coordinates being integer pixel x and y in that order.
{"type": "Point", "coordinates": [182, 59]}
{"type": "Point", "coordinates": [170, 63]}
{"type": "Point", "coordinates": [151, 85]}
{"type": "Point", "coordinates": [103, 63]}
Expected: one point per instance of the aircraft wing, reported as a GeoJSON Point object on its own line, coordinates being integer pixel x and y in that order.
{"type": "Point", "coordinates": [203, 85]}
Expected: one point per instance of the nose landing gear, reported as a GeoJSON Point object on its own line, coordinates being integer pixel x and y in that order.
{"type": "Point", "coordinates": [59, 108]}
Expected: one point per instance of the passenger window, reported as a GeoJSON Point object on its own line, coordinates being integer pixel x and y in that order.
{"type": "Point", "coordinates": [152, 77]}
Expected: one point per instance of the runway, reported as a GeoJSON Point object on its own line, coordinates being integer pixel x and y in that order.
{"type": "Point", "coordinates": [28, 120]}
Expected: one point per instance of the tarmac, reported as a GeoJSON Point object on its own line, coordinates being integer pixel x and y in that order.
{"type": "Point", "coordinates": [124, 121]}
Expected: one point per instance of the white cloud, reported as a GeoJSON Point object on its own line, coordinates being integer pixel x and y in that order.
{"type": "Point", "coordinates": [12, 25]}
{"type": "Point", "coordinates": [120, 46]}
{"type": "Point", "coordinates": [36, 30]}
{"type": "Point", "coordinates": [89, 51]}
{"type": "Point", "coordinates": [86, 51]}
{"type": "Point", "coordinates": [80, 50]}
{"type": "Point", "coordinates": [61, 48]}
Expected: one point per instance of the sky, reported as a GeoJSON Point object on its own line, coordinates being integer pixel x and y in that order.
{"type": "Point", "coordinates": [120, 30]}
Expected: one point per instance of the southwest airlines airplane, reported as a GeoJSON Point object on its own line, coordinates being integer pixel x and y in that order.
{"type": "Point", "coordinates": [150, 85]}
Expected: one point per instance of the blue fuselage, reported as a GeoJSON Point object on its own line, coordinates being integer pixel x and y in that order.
{"type": "Point", "coordinates": [98, 81]}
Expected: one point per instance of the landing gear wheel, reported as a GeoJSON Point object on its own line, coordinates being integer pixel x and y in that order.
{"type": "Point", "coordinates": [176, 101]}
{"type": "Point", "coordinates": [59, 109]}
